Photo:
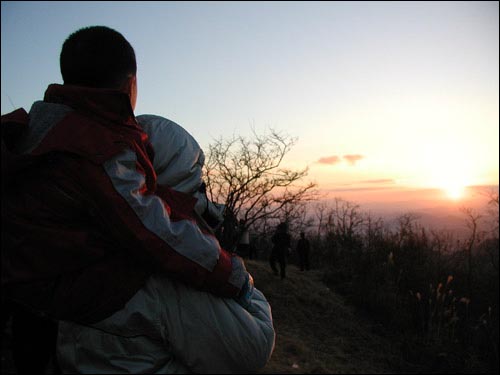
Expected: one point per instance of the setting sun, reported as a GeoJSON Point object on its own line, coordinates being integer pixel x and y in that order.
{"type": "Point", "coordinates": [454, 192]}
{"type": "Point", "coordinates": [452, 182]}
{"type": "Point", "coordinates": [450, 166]}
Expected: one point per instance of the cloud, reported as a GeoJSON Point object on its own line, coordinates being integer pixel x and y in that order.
{"type": "Point", "coordinates": [334, 159]}
{"type": "Point", "coordinates": [329, 160]}
{"type": "Point", "coordinates": [352, 159]}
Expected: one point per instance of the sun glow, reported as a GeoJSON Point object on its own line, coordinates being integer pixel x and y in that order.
{"type": "Point", "coordinates": [448, 168]}
{"type": "Point", "coordinates": [452, 181]}
{"type": "Point", "coordinates": [454, 192]}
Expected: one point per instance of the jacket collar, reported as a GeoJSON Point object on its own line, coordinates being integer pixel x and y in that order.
{"type": "Point", "coordinates": [108, 104]}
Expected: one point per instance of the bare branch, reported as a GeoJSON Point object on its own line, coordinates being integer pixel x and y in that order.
{"type": "Point", "coordinates": [245, 175]}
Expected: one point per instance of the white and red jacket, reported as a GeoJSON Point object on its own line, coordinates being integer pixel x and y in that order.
{"type": "Point", "coordinates": [83, 223]}
{"type": "Point", "coordinates": [168, 327]}
{"type": "Point", "coordinates": [178, 163]}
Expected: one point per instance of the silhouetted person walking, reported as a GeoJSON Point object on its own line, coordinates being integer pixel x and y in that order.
{"type": "Point", "coordinates": [281, 241]}
{"type": "Point", "coordinates": [303, 248]}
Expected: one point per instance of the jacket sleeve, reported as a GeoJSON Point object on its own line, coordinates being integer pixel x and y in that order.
{"type": "Point", "coordinates": [215, 335]}
{"type": "Point", "coordinates": [142, 220]}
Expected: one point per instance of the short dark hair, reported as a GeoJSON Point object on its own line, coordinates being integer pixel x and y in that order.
{"type": "Point", "coordinates": [97, 56]}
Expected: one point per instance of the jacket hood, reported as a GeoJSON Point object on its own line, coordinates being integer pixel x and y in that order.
{"type": "Point", "coordinates": [178, 158]}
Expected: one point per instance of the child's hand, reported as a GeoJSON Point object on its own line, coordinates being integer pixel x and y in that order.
{"type": "Point", "coordinates": [246, 293]}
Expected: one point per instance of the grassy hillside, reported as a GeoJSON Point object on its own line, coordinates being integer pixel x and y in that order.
{"type": "Point", "coordinates": [316, 332]}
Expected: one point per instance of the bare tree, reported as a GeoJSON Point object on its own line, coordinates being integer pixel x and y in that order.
{"type": "Point", "coordinates": [472, 222]}
{"type": "Point", "coordinates": [297, 216]}
{"type": "Point", "coordinates": [407, 227]}
{"type": "Point", "coordinates": [320, 212]}
{"type": "Point", "coordinates": [374, 229]}
{"type": "Point", "coordinates": [343, 220]}
{"type": "Point", "coordinates": [442, 243]}
{"type": "Point", "coordinates": [347, 218]}
{"type": "Point", "coordinates": [246, 176]}
{"type": "Point", "coordinates": [492, 197]}
{"type": "Point", "coordinates": [491, 246]}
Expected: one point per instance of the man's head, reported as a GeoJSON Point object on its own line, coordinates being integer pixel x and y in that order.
{"type": "Point", "coordinates": [99, 57]}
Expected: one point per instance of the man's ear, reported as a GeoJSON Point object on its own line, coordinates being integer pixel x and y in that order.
{"type": "Point", "coordinates": [130, 87]}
